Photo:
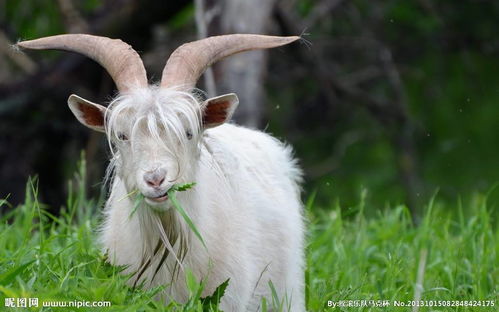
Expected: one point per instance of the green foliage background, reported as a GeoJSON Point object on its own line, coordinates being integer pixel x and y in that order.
{"type": "Point", "coordinates": [447, 55]}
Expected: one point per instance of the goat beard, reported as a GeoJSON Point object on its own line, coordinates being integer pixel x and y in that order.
{"type": "Point", "coordinates": [172, 242]}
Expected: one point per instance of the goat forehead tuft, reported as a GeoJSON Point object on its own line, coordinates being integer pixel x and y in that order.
{"type": "Point", "coordinates": [166, 105]}
{"type": "Point", "coordinates": [163, 115]}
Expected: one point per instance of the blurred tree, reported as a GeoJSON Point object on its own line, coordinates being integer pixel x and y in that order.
{"type": "Point", "coordinates": [235, 73]}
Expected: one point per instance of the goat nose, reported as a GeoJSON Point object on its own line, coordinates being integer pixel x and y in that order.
{"type": "Point", "coordinates": [155, 178]}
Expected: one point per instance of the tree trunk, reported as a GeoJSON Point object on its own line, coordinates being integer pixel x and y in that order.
{"type": "Point", "coordinates": [243, 73]}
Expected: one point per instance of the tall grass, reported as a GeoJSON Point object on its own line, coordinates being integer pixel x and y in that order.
{"type": "Point", "coordinates": [451, 255]}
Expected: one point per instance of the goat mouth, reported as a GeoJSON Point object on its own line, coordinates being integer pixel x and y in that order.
{"type": "Point", "coordinates": [160, 198]}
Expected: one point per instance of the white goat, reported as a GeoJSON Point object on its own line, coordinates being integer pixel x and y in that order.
{"type": "Point", "coordinates": [246, 201]}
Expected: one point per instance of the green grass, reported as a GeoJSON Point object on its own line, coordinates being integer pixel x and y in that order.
{"type": "Point", "coordinates": [348, 257]}
{"type": "Point", "coordinates": [378, 258]}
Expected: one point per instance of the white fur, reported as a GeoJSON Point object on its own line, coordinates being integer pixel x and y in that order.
{"type": "Point", "coordinates": [246, 201]}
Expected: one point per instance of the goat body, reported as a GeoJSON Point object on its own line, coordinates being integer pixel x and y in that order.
{"type": "Point", "coordinates": [245, 204]}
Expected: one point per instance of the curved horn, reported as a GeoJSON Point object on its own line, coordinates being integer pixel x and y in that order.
{"type": "Point", "coordinates": [188, 62]}
{"type": "Point", "coordinates": [118, 58]}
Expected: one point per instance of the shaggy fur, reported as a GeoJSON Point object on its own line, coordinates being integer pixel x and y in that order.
{"type": "Point", "coordinates": [246, 202]}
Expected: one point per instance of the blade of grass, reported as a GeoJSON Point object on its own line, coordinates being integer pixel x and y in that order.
{"type": "Point", "coordinates": [213, 300]}
{"type": "Point", "coordinates": [183, 213]}
{"type": "Point", "coordinates": [128, 195]}
{"type": "Point", "coordinates": [10, 275]}
{"type": "Point", "coordinates": [183, 187]}
{"type": "Point", "coordinates": [139, 199]}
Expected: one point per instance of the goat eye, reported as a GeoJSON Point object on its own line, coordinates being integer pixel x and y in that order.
{"type": "Point", "coordinates": [122, 136]}
{"type": "Point", "coordinates": [188, 133]}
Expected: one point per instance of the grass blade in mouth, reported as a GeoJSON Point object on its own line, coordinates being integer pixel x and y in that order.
{"type": "Point", "coordinates": [139, 199]}
{"type": "Point", "coordinates": [183, 213]}
{"type": "Point", "coordinates": [128, 195]}
{"type": "Point", "coordinates": [171, 195]}
{"type": "Point", "coordinates": [183, 187]}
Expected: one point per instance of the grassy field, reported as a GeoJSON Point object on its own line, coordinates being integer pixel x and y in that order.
{"type": "Point", "coordinates": [451, 255]}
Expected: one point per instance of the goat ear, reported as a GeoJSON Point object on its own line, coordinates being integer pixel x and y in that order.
{"type": "Point", "coordinates": [219, 109]}
{"type": "Point", "coordinates": [88, 113]}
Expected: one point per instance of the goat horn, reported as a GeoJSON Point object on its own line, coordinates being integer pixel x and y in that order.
{"type": "Point", "coordinates": [188, 62]}
{"type": "Point", "coordinates": [118, 58]}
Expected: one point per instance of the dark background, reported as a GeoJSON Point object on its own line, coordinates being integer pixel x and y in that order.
{"type": "Point", "coordinates": [399, 98]}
